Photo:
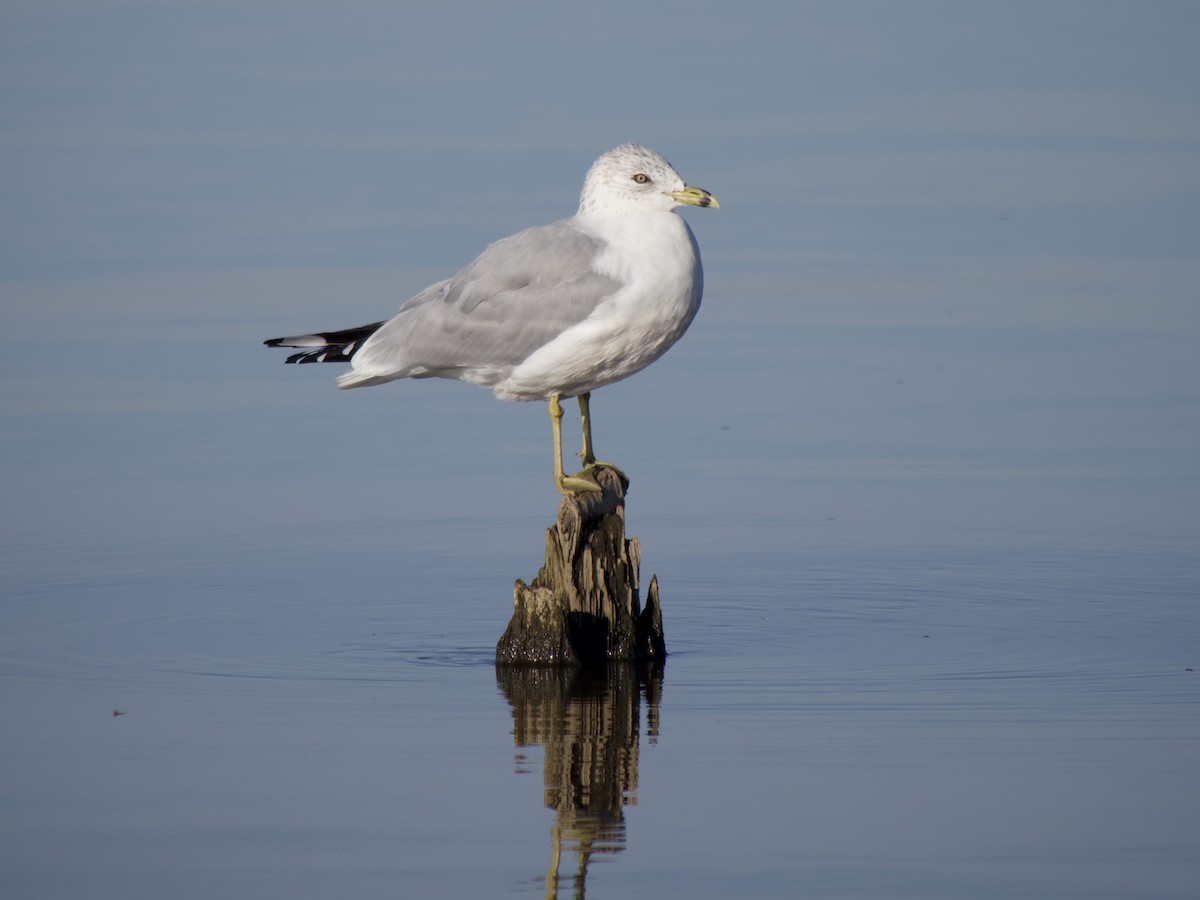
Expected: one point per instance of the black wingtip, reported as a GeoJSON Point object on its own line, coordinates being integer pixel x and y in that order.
{"type": "Point", "coordinates": [325, 346]}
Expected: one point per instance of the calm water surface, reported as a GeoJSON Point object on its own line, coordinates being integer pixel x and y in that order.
{"type": "Point", "coordinates": [903, 721]}
{"type": "Point", "coordinates": [920, 485]}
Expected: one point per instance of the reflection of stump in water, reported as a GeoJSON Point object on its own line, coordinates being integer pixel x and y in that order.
{"type": "Point", "coordinates": [589, 722]}
{"type": "Point", "coordinates": [583, 606]}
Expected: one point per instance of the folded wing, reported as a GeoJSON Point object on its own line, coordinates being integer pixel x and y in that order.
{"type": "Point", "coordinates": [520, 294]}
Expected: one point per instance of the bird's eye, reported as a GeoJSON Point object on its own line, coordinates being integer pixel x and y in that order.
{"type": "Point", "coordinates": [640, 178]}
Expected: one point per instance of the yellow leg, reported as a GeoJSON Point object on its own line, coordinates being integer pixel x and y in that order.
{"type": "Point", "coordinates": [585, 420]}
{"type": "Point", "coordinates": [588, 454]}
{"type": "Point", "coordinates": [566, 484]}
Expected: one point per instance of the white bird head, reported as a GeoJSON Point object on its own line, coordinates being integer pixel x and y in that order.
{"type": "Point", "coordinates": [632, 179]}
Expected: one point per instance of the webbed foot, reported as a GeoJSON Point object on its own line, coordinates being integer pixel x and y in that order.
{"type": "Point", "coordinates": [582, 482]}
{"type": "Point", "coordinates": [590, 465]}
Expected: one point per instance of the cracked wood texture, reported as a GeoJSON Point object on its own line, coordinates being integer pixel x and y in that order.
{"type": "Point", "coordinates": [583, 608]}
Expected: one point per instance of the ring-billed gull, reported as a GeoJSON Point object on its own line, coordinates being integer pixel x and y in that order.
{"type": "Point", "coordinates": [554, 311]}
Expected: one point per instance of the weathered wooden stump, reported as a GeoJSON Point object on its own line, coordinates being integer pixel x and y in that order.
{"type": "Point", "coordinates": [583, 608]}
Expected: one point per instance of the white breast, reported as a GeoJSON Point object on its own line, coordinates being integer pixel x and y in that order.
{"type": "Point", "coordinates": [659, 264]}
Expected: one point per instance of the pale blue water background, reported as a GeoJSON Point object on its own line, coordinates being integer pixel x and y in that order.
{"type": "Point", "coordinates": [920, 485]}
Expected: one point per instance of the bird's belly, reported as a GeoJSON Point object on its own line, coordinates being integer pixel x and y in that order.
{"type": "Point", "coordinates": [599, 351]}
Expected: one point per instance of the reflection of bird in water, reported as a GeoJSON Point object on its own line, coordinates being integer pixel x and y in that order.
{"type": "Point", "coordinates": [553, 311]}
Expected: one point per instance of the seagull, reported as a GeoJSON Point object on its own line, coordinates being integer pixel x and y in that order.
{"type": "Point", "coordinates": [552, 312]}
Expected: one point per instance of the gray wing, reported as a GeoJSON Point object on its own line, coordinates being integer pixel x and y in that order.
{"type": "Point", "coordinates": [521, 293]}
